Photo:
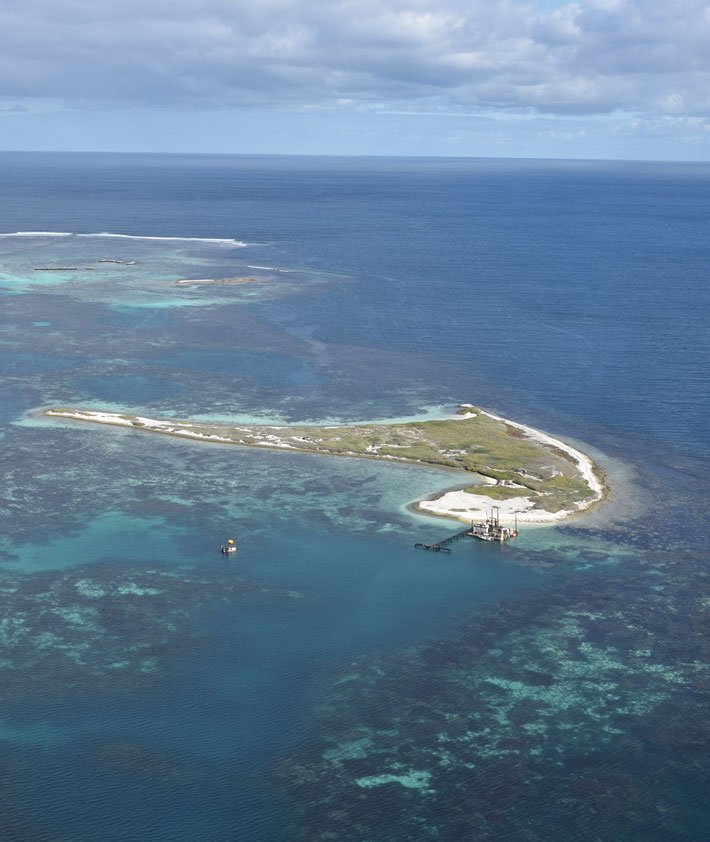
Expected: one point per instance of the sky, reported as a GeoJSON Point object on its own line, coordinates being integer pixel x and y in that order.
{"type": "Point", "coordinates": [623, 79]}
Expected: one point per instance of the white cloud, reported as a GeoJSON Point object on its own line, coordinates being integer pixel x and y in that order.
{"type": "Point", "coordinates": [586, 57]}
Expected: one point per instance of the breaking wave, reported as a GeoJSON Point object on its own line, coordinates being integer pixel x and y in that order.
{"type": "Point", "coordinates": [271, 268]}
{"type": "Point", "coordinates": [221, 241]}
{"type": "Point", "coordinates": [38, 234]}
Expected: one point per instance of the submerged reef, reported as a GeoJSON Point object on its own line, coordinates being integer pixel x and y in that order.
{"type": "Point", "coordinates": [104, 626]}
{"type": "Point", "coordinates": [561, 714]}
{"type": "Point", "coordinates": [139, 760]}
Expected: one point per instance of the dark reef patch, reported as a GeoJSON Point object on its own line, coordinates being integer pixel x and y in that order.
{"type": "Point", "coordinates": [136, 759]}
{"type": "Point", "coordinates": [107, 627]}
{"type": "Point", "coordinates": [566, 713]}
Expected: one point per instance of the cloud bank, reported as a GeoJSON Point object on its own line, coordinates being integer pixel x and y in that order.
{"type": "Point", "coordinates": [433, 56]}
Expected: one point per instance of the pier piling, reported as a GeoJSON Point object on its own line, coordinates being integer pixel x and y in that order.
{"type": "Point", "coordinates": [442, 546]}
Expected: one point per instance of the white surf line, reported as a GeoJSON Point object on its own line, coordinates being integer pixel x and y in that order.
{"type": "Point", "coordinates": [220, 241]}
{"type": "Point", "coordinates": [38, 234]}
{"type": "Point", "coordinates": [271, 268]}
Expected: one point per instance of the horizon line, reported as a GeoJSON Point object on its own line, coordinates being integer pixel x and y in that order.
{"type": "Point", "coordinates": [352, 155]}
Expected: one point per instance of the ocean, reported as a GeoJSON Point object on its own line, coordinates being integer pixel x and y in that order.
{"type": "Point", "coordinates": [332, 682]}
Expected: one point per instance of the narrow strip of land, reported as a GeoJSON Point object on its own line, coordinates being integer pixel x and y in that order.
{"type": "Point", "coordinates": [527, 473]}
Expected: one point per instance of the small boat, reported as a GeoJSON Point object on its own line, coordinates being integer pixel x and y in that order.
{"type": "Point", "coordinates": [230, 546]}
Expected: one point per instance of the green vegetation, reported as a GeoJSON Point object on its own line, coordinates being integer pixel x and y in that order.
{"type": "Point", "coordinates": [498, 492]}
{"type": "Point", "coordinates": [476, 444]}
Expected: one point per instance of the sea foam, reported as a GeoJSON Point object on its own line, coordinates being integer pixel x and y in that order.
{"type": "Point", "coordinates": [38, 234]}
{"type": "Point", "coordinates": [223, 241]}
{"type": "Point", "coordinates": [218, 240]}
{"type": "Point", "coordinates": [270, 268]}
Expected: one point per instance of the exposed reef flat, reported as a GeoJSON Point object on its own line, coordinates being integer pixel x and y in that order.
{"type": "Point", "coordinates": [219, 281]}
{"type": "Point", "coordinates": [525, 472]}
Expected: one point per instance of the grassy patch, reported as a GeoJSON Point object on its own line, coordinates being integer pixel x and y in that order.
{"type": "Point", "coordinates": [497, 492]}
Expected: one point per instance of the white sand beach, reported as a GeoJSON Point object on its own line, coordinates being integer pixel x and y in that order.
{"type": "Point", "coordinates": [468, 506]}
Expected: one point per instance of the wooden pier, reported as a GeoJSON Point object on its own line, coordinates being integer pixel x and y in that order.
{"type": "Point", "coordinates": [442, 546]}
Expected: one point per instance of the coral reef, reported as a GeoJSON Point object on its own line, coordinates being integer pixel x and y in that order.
{"type": "Point", "coordinates": [555, 715]}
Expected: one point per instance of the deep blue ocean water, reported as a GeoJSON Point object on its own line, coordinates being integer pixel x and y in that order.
{"type": "Point", "coordinates": [333, 683]}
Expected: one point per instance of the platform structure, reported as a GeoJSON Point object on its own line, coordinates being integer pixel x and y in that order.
{"type": "Point", "coordinates": [489, 530]}
{"type": "Point", "coordinates": [492, 529]}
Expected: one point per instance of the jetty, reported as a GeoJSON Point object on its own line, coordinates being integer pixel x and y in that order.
{"type": "Point", "coordinates": [489, 530]}
{"type": "Point", "coordinates": [443, 546]}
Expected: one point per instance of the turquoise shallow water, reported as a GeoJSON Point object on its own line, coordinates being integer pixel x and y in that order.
{"type": "Point", "coordinates": [333, 682]}
{"type": "Point", "coordinates": [215, 683]}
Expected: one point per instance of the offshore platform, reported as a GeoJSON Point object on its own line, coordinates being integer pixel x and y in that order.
{"type": "Point", "coordinates": [490, 529]}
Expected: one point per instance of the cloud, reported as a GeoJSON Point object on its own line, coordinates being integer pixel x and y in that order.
{"type": "Point", "coordinates": [586, 57]}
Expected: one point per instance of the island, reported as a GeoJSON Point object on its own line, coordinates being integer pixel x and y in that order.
{"type": "Point", "coordinates": [529, 475]}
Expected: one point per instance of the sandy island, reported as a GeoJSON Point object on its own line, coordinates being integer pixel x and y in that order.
{"type": "Point", "coordinates": [528, 474]}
